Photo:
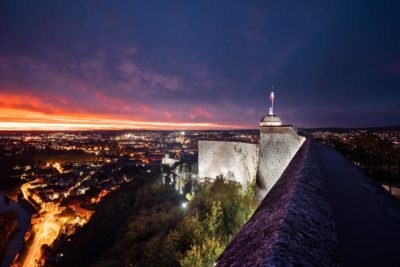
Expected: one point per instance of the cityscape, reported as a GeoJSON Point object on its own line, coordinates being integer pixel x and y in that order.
{"type": "Point", "coordinates": [60, 178]}
{"type": "Point", "coordinates": [67, 174]}
{"type": "Point", "coordinates": [199, 133]}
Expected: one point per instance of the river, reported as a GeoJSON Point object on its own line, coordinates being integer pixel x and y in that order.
{"type": "Point", "coordinates": [17, 242]}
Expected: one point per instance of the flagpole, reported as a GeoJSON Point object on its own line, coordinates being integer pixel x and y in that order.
{"type": "Point", "coordinates": [272, 106]}
{"type": "Point", "coordinates": [272, 97]}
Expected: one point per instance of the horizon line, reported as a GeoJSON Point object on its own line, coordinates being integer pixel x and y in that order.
{"type": "Point", "coordinates": [3, 130]}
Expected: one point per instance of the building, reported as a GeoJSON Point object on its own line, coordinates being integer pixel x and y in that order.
{"type": "Point", "coordinates": [317, 209]}
{"type": "Point", "coordinates": [278, 145]}
{"type": "Point", "coordinates": [248, 163]}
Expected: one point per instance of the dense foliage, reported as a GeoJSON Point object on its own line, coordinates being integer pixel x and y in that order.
{"type": "Point", "coordinates": [102, 230]}
{"type": "Point", "coordinates": [160, 231]}
{"type": "Point", "coordinates": [166, 234]}
{"type": "Point", "coordinates": [8, 226]}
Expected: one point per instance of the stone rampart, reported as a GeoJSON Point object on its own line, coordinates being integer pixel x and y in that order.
{"type": "Point", "coordinates": [294, 224]}
{"type": "Point", "coordinates": [278, 145]}
{"type": "Point", "coordinates": [234, 160]}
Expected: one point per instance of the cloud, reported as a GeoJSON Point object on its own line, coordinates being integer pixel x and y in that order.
{"type": "Point", "coordinates": [134, 62]}
{"type": "Point", "coordinates": [200, 112]}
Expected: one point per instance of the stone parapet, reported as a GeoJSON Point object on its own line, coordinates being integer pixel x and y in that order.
{"type": "Point", "coordinates": [293, 226]}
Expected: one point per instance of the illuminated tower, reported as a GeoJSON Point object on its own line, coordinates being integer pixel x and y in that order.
{"type": "Point", "coordinates": [278, 144]}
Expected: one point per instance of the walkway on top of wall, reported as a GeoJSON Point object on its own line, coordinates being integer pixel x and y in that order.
{"type": "Point", "coordinates": [323, 211]}
{"type": "Point", "coordinates": [366, 216]}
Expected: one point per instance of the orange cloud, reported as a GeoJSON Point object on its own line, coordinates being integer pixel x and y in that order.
{"type": "Point", "coordinates": [28, 112]}
{"type": "Point", "coordinates": [25, 101]}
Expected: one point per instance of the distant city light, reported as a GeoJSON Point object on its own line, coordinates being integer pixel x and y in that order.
{"type": "Point", "coordinates": [184, 205]}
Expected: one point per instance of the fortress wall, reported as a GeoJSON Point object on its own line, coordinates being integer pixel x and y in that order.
{"type": "Point", "coordinates": [234, 160]}
{"type": "Point", "coordinates": [294, 224]}
{"type": "Point", "coordinates": [278, 145]}
{"type": "Point", "coordinates": [309, 217]}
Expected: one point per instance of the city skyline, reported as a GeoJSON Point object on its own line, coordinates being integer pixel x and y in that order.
{"type": "Point", "coordinates": [205, 65]}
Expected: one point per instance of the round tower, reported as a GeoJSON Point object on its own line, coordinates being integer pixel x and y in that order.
{"type": "Point", "coordinates": [278, 145]}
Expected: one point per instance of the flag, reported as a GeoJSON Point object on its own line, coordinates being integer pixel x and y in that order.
{"type": "Point", "coordinates": [271, 97]}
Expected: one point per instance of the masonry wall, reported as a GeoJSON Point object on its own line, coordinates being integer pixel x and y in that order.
{"type": "Point", "coordinates": [294, 224]}
{"type": "Point", "coordinates": [278, 145]}
{"type": "Point", "coordinates": [234, 160]}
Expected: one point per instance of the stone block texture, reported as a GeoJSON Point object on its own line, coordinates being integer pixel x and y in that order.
{"type": "Point", "coordinates": [278, 145]}
{"type": "Point", "coordinates": [236, 161]}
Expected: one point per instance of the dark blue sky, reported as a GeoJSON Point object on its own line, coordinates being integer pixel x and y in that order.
{"type": "Point", "coordinates": [207, 64]}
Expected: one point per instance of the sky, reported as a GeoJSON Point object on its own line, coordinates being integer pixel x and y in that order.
{"type": "Point", "coordinates": [198, 64]}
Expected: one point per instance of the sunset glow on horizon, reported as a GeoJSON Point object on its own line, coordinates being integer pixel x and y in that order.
{"type": "Point", "coordinates": [27, 112]}
{"type": "Point", "coordinates": [38, 121]}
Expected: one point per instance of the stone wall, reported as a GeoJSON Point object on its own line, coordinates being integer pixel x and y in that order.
{"type": "Point", "coordinates": [322, 211]}
{"type": "Point", "coordinates": [294, 224]}
{"type": "Point", "coordinates": [234, 160]}
{"type": "Point", "coordinates": [278, 145]}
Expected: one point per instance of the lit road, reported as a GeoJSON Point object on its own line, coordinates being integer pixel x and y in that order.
{"type": "Point", "coordinates": [26, 194]}
{"type": "Point", "coordinates": [58, 167]}
{"type": "Point", "coordinates": [24, 190]}
{"type": "Point", "coordinates": [46, 232]}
